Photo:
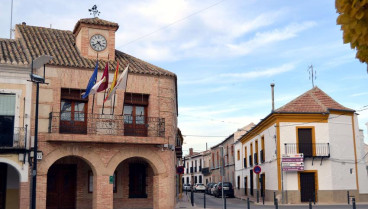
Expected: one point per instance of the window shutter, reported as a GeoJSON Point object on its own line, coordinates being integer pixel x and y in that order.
{"type": "Point", "coordinates": [7, 104]}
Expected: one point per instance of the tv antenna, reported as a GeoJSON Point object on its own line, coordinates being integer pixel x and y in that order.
{"type": "Point", "coordinates": [312, 74]}
{"type": "Point", "coordinates": [94, 11]}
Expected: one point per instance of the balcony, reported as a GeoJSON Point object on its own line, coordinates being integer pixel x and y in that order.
{"type": "Point", "coordinates": [310, 150]}
{"type": "Point", "coordinates": [206, 171]}
{"type": "Point", "coordinates": [14, 142]}
{"type": "Point", "coordinates": [112, 126]}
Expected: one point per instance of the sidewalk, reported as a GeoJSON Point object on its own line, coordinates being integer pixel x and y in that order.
{"type": "Point", "coordinates": [184, 202]}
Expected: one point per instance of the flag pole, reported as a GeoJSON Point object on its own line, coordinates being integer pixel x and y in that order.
{"type": "Point", "coordinates": [103, 103]}
{"type": "Point", "coordinates": [93, 101]}
{"type": "Point", "coordinates": [113, 104]}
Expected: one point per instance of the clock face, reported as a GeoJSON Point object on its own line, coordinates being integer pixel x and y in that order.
{"type": "Point", "coordinates": [98, 42]}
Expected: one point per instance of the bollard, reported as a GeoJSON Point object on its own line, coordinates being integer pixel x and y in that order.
{"type": "Point", "coordinates": [204, 200]}
{"type": "Point", "coordinates": [277, 204]}
{"type": "Point", "coordinates": [274, 198]}
{"type": "Point", "coordinates": [310, 204]}
{"type": "Point", "coordinates": [257, 196]}
{"type": "Point", "coordinates": [314, 198]}
{"type": "Point", "coordinates": [225, 200]}
{"type": "Point", "coordinates": [191, 197]}
{"type": "Point", "coordinates": [263, 198]}
{"type": "Point", "coordinates": [248, 203]}
{"type": "Point", "coordinates": [348, 198]}
{"type": "Point", "coordinates": [353, 200]}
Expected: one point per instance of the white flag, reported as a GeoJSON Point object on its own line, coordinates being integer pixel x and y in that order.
{"type": "Point", "coordinates": [121, 83]}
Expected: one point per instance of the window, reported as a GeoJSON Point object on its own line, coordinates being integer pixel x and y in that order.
{"type": "Point", "coordinates": [213, 160]}
{"type": "Point", "coordinates": [73, 112]}
{"type": "Point", "coordinates": [135, 114]}
{"type": "Point", "coordinates": [232, 150]}
{"type": "Point", "coordinates": [7, 117]}
{"type": "Point", "coordinates": [256, 161]}
{"type": "Point", "coordinates": [238, 154]}
{"type": "Point", "coordinates": [245, 157]}
{"type": "Point", "coordinates": [90, 182]}
{"type": "Point", "coordinates": [218, 160]}
{"type": "Point", "coordinates": [137, 180]}
{"type": "Point", "coordinates": [305, 141]}
{"type": "Point", "coordinates": [263, 157]}
{"type": "Point", "coordinates": [238, 184]}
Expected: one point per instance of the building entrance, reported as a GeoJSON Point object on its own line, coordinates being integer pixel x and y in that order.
{"type": "Point", "coordinates": [307, 186]}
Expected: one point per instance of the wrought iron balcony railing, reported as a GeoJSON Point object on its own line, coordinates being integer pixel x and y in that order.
{"type": "Point", "coordinates": [13, 141]}
{"type": "Point", "coordinates": [206, 171]}
{"type": "Point", "coordinates": [308, 149]}
{"type": "Point", "coordinates": [104, 124]}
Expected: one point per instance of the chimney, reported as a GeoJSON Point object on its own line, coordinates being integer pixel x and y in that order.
{"type": "Point", "coordinates": [273, 96]}
{"type": "Point", "coordinates": [190, 151]}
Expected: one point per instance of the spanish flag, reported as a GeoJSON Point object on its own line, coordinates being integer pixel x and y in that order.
{"type": "Point", "coordinates": [121, 83]}
{"type": "Point", "coordinates": [113, 84]}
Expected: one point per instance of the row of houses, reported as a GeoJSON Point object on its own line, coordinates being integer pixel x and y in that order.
{"type": "Point", "coordinates": [334, 157]}
{"type": "Point", "coordinates": [91, 154]}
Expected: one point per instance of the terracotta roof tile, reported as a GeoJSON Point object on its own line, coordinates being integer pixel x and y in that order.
{"type": "Point", "coordinates": [312, 101]}
{"type": "Point", "coordinates": [61, 45]}
{"type": "Point", "coordinates": [95, 21]}
{"type": "Point", "coordinates": [12, 52]}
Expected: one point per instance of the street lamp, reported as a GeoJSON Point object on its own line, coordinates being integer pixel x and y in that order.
{"type": "Point", "coordinates": [37, 63]}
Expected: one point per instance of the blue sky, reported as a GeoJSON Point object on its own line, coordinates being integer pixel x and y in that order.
{"type": "Point", "coordinates": [225, 53]}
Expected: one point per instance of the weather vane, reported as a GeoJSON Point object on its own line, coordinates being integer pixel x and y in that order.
{"type": "Point", "coordinates": [94, 11]}
{"type": "Point", "coordinates": [312, 74]}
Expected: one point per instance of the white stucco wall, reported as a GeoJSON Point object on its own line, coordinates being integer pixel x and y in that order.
{"type": "Point", "coordinates": [269, 167]}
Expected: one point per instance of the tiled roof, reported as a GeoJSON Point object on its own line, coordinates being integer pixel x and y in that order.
{"type": "Point", "coordinates": [12, 52]}
{"type": "Point", "coordinates": [61, 45]}
{"type": "Point", "coordinates": [312, 101]}
{"type": "Point", "coordinates": [95, 21]}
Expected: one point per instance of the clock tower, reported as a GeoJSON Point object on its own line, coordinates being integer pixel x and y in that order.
{"type": "Point", "coordinates": [94, 35]}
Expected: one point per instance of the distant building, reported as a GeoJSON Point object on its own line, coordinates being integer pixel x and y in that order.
{"type": "Point", "coordinates": [229, 165]}
{"type": "Point", "coordinates": [325, 132]}
{"type": "Point", "coordinates": [193, 164]}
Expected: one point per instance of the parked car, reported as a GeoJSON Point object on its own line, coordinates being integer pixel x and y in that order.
{"type": "Point", "coordinates": [199, 187]}
{"type": "Point", "coordinates": [213, 189]}
{"type": "Point", "coordinates": [187, 187]}
{"type": "Point", "coordinates": [208, 188]}
{"type": "Point", "coordinates": [228, 190]}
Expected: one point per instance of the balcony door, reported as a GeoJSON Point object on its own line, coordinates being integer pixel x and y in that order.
{"type": "Point", "coordinates": [305, 141]}
{"type": "Point", "coordinates": [73, 112]}
{"type": "Point", "coordinates": [135, 114]}
{"type": "Point", "coordinates": [7, 115]}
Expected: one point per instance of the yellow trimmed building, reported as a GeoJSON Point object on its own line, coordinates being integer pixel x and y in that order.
{"type": "Point", "coordinates": [325, 132]}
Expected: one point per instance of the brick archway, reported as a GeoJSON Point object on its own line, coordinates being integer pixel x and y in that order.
{"type": "Point", "coordinates": [92, 159]}
{"type": "Point", "coordinates": [152, 159]}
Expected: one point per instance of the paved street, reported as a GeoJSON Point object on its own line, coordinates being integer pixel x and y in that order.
{"type": "Point", "coordinates": [235, 203]}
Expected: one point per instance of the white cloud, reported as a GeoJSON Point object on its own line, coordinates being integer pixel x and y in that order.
{"type": "Point", "coordinates": [238, 77]}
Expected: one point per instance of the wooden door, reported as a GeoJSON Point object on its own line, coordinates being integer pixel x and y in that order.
{"type": "Point", "coordinates": [263, 184]}
{"type": "Point", "coordinates": [3, 175]}
{"type": "Point", "coordinates": [137, 180]}
{"type": "Point", "coordinates": [245, 186]}
{"type": "Point", "coordinates": [61, 187]}
{"type": "Point", "coordinates": [135, 120]}
{"type": "Point", "coordinates": [305, 141]}
{"type": "Point", "coordinates": [307, 187]}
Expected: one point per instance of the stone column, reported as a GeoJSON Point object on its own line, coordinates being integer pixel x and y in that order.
{"type": "Point", "coordinates": [102, 192]}
{"type": "Point", "coordinates": [24, 197]}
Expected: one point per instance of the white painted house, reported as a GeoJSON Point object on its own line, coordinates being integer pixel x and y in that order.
{"type": "Point", "coordinates": [15, 111]}
{"type": "Point", "coordinates": [193, 164]}
{"type": "Point", "coordinates": [326, 132]}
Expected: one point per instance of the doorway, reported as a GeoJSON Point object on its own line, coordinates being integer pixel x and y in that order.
{"type": "Point", "coordinates": [307, 186]}
{"type": "Point", "coordinates": [3, 174]}
{"type": "Point", "coordinates": [61, 186]}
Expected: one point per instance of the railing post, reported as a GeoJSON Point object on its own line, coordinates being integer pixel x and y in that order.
{"type": "Point", "coordinates": [277, 204]}
{"type": "Point", "coordinates": [248, 203]}
{"type": "Point", "coordinates": [310, 204]}
{"type": "Point", "coordinates": [314, 198]}
{"type": "Point", "coordinates": [348, 197]}
{"type": "Point", "coordinates": [257, 196]}
{"type": "Point", "coordinates": [274, 198]}
{"type": "Point", "coordinates": [191, 197]}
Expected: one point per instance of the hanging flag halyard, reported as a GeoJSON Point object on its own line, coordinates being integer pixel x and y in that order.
{"type": "Point", "coordinates": [113, 84]}
{"type": "Point", "coordinates": [103, 83]}
{"type": "Point", "coordinates": [91, 82]}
